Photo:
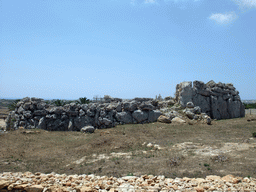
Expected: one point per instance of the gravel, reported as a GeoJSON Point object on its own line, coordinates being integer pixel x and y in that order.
{"type": "Point", "coordinates": [40, 182]}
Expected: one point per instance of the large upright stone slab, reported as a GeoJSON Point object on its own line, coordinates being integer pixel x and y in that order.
{"type": "Point", "coordinates": [185, 94]}
{"type": "Point", "coordinates": [234, 108]}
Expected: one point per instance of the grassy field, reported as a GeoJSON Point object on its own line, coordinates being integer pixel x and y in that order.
{"type": "Point", "coordinates": [225, 147]}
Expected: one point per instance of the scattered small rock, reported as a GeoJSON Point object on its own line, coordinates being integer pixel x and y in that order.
{"type": "Point", "coordinates": [88, 129]}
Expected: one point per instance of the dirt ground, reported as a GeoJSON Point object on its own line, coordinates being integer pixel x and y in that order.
{"type": "Point", "coordinates": [225, 147]}
{"type": "Point", "coordinates": [3, 114]}
{"type": "Point", "coordinates": [2, 123]}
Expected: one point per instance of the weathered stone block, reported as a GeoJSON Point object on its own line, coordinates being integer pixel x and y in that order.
{"type": "Point", "coordinates": [140, 115]}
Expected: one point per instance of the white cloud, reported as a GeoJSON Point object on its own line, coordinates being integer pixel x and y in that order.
{"type": "Point", "coordinates": [243, 4]}
{"type": "Point", "coordinates": [221, 18]}
{"type": "Point", "coordinates": [150, 1]}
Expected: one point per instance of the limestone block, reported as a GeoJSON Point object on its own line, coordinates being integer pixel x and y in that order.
{"type": "Point", "coordinates": [237, 98]}
{"type": "Point", "coordinates": [221, 85]}
{"type": "Point", "coordinates": [119, 107]}
{"type": "Point", "coordinates": [42, 123]}
{"type": "Point", "coordinates": [186, 93]}
{"type": "Point", "coordinates": [211, 84]}
{"type": "Point", "coordinates": [242, 110]}
{"type": "Point", "coordinates": [197, 110]}
{"type": "Point", "coordinates": [20, 103]}
{"type": "Point", "coordinates": [84, 107]}
{"type": "Point", "coordinates": [82, 121]}
{"type": "Point", "coordinates": [222, 107]}
{"type": "Point", "coordinates": [208, 121]}
{"type": "Point", "coordinates": [40, 112]}
{"type": "Point", "coordinates": [81, 112]}
{"type": "Point", "coordinates": [190, 104]}
{"type": "Point", "coordinates": [124, 116]}
{"type": "Point", "coordinates": [140, 115]}
{"type": "Point", "coordinates": [111, 106]}
{"type": "Point", "coordinates": [106, 121]}
{"type": "Point", "coordinates": [27, 114]}
{"type": "Point", "coordinates": [155, 103]}
{"type": "Point", "coordinates": [133, 106]}
{"type": "Point", "coordinates": [90, 113]}
{"type": "Point", "coordinates": [103, 113]}
{"type": "Point", "coordinates": [164, 119]}
{"type": "Point", "coordinates": [153, 115]}
{"type": "Point", "coordinates": [34, 188]}
{"type": "Point", "coordinates": [87, 129]}
{"type": "Point", "coordinates": [146, 106]}
{"type": "Point", "coordinates": [178, 120]}
{"type": "Point", "coordinates": [20, 110]}
{"type": "Point", "coordinates": [37, 100]}
{"type": "Point", "coordinates": [199, 85]}
{"type": "Point", "coordinates": [171, 114]}
{"type": "Point", "coordinates": [26, 105]}
{"type": "Point", "coordinates": [190, 114]}
{"type": "Point", "coordinates": [234, 108]}
{"type": "Point", "coordinates": [227, 96]}
{"type": "Point", "coordinates": [162, 104]}
{"type": "Point", "coordinates": [70, 125]}
{"type": "Point", "coordinates": [205, 92]}
{"type": "Point", "coordinates": [140, 100]}
{"type": "Point", "coordinates": [40, 105]}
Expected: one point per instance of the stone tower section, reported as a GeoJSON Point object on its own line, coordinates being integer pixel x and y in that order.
{"type": "Point", "coordinates": [218, 100]}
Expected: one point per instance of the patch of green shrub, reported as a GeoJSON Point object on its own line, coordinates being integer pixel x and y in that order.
{"type": "Point", "coordinates": [250, 105]}
{"type": "Point", "coordinates": [83, 100]}
{"type": "Point", "coordinates": [130, 174]}
{"type": "Point", "coordinates": [12, 106]}
{"type": "Point", "coordinates": [59, 102]}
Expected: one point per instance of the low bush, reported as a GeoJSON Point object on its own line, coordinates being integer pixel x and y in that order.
{"type": "Point", "coordinates": [83, 100]}
{"type": "Point", "coordinates": [12, 106]}
{"type": "Point", "coordinates": [250, 105]}
{"type": "Point", "coordinates": [59, 102]}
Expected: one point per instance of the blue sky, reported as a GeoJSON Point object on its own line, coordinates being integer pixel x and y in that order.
{"type": "Point", "coordinates": [68, 49]}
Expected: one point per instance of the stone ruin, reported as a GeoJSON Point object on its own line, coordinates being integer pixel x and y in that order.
{"type": "Point", "coordinates": [200, 102]}
{"type": "Point", "coordinates": [217, 100]}
{"type": "Point", "coordinates": [35, 113]}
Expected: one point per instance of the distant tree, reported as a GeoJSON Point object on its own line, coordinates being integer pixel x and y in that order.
{"type": "Point", "coordinates": [59, 102]}
{"type": "Point", "coordinates": [12, 106]}
{"type": "Point", "coordinates": [83, 100]}
{"type": "Point", "coordinates": [250, 105]}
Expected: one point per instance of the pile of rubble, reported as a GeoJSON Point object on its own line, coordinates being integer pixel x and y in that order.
{"type": "Point", "coordinates": [40, 182]}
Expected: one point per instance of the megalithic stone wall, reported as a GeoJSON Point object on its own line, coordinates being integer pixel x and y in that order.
{"type": "Point", "coordinates": [35, 113]}
{"type": "Point", "coordinates": [218, 100]}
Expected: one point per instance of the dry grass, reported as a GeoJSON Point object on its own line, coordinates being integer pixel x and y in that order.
{"type": "Point", "coordinates": [57, 151]}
